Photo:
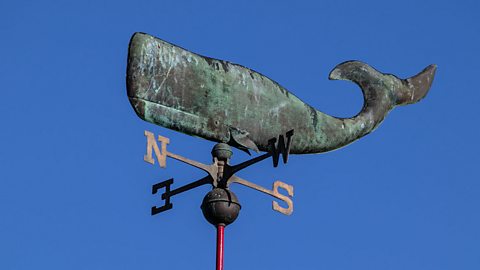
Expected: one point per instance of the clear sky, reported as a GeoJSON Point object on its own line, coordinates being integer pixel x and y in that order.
{"type": "Point", "coordinates": [76, 194]}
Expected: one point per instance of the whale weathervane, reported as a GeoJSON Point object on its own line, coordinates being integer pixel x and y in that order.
{"type": "Point", "coordinates": [236, 106]}
{"type": "Point", "coordinates": [225, 102]}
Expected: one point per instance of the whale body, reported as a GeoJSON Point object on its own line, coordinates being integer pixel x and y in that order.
{"type": "Point", "coordinates": [225, 102]}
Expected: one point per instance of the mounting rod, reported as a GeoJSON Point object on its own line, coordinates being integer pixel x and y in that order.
{"type": "Point", "coordinates": [220, 242]}
{"type": "Point", "coordinates": [220, 206]}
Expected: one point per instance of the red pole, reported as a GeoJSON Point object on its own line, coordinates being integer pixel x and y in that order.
{"type": "Point", "coordinates": [220, 233]}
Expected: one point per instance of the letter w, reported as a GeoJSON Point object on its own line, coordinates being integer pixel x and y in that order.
{"type": "Point", "coordinates": [277, 148]}
{"type": "Point", "coordinates": [152, 144]}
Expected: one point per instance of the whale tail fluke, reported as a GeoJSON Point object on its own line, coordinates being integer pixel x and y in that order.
{"type": "Point", "coordinates": [416, 87]}
{"type": "Point", "coordinates": [377, 86]}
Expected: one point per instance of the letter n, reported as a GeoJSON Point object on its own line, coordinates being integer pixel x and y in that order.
{"type": "Point", "coordinates": [152, 144]}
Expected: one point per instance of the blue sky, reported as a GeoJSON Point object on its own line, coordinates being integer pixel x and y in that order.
{"type": "Point", "coordinates": [75, 191]}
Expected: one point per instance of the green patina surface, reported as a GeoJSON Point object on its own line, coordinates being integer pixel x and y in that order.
{"type": "Point", "coordinates": [225, 102]}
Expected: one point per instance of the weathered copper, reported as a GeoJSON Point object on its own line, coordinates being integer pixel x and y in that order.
{"type": "Point", "coordinates": [225, 102]}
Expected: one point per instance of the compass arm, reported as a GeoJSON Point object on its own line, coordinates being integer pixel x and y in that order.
{"type": "Point", "coordinates": [274, 193]}
{"type": "Point", "coordinates": [206, 168]}
{"type": "Point", "coordinates": [238, 180]}
{"type": "Point", "coordinates": [200, 182]}
{"type": "Point", "coordinates": [247, 163]}
{"type": "Point", "coordinates": [170, 193]}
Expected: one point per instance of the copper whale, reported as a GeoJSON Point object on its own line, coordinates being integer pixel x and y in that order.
{"type": "Point", "coordinates": [225, 102]}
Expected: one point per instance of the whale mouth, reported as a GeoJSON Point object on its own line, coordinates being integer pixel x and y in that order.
{"type": "Point", "coordinates": [138, 106]}
{"type": "Point", "coordinates": [144, 108]}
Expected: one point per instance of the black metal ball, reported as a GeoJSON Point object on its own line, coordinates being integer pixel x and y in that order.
{"type": "Point", "coordinates": [220, 207]}
{"type": "Point", "coordinates": [222, 151]}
